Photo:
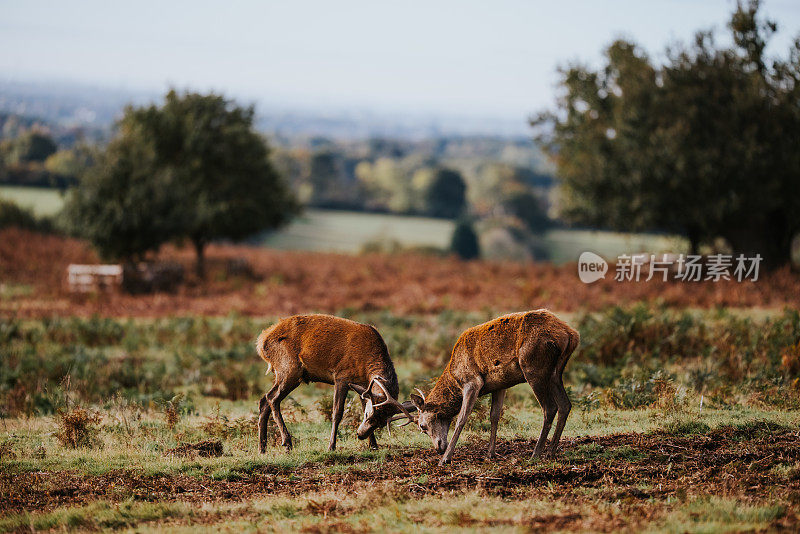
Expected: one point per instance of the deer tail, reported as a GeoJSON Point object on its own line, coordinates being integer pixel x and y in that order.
{"type": "Point", "coordinates": [574, 338]}
{"type": "Point", "coordinates": [261, 348]}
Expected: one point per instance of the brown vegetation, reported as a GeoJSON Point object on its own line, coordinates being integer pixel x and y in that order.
{"type": "Point", "coordinates": [286, 283]}
{"type": "Point", "coordinates": [78, 428]}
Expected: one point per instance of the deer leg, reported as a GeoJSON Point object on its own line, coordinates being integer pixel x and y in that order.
{"type": "Point", "coordinates": [494, 417]}
{"type": "Point", "coordinates": [274, 398]}
{"type": "Point", "coordinates": [541, 388]}
{"type": "Point", "coordinates": [470, 395]}
{"type": "Point", "coordinates": [263, 420]}
{"type": "Point", "coordinates": [339, 397]}
{"type": "Point", "coordinates": [373, 442]}
{"type": "Point", "coordinates": [564, 406]}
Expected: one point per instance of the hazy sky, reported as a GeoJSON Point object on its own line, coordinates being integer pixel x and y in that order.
{"type": "Point", "coordinates": [462, 57]}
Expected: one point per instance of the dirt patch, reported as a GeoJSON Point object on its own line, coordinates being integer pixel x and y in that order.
{"type": "Point", "coordinates": [722, 463]}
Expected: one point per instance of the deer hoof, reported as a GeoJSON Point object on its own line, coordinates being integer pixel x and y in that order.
{"type": "Point", "coordinates": [444, 461]}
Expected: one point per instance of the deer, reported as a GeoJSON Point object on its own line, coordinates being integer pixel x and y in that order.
{"type": "Point", "coordinates": [331, 350]}
{"type": "Point", "coordinates": [532, 347]}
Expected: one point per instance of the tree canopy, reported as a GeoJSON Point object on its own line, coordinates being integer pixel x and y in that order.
{"type": "Point", "coordinates": [32, 146]}
{"type": "Point", "coordinates": [192, 168]}
{"type": "Point", "coordinates": [703, 145]}
{"type": "Point", "coordinates": [464, 242]}
{"type": "Point", "coordinates": [446, 196]}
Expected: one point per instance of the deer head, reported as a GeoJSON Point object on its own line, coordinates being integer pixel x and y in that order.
{"type": "Point", "coordinates": [380, 408]}
{"type": "Point", "coordinates": [432, 421]}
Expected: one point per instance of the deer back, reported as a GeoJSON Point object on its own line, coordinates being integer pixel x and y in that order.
{"type": "Point", "coordinates": [493, 350]}
{"type": "Point", "coordinates": [327, 349]}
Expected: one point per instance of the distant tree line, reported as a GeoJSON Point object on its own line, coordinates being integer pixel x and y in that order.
{"type": "Point", "coordinates": [31, 155]}
{"type": "Point", "coordinates": [429, 179]}
{"type": "Point", "coordinates": [194, 170]}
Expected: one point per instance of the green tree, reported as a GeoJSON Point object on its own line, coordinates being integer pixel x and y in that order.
{"type": "Point", "coordinates": [528, 208]}
{"type": "Point", "coordinates": [124, 204]}
{"type": "Point", "coordinates": [193, 169]}
{"type": "Point", "coordinates": [14, 215]}
{"type": "Point", "coordinates": [464, 242]}
{"type": "Point", "coordinates": [31, 146]}
{"type": "Point", "coordinates": [699, 146]}
{"type": "Point", "coordinates": [446, 195]}
{"type": "Point", "coordinates": [69, 163]}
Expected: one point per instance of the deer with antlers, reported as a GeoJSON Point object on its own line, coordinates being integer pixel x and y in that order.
{"type": "Point", "coordinates": [531, 347]}
{"type": "Point", "coordinates": [331, 350]}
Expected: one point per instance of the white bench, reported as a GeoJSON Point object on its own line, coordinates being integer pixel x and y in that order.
{"type": "Point", "coordinates": [83, 278]}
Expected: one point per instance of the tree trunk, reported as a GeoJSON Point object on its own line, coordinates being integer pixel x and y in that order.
{"type": "Point", "coordinates": [694, 243]}
{"type": "Point", "coordinates": [200, 251]}
{"type": "Point", "coordinates": [772, 242]}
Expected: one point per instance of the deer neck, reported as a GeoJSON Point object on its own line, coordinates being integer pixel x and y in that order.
{"type": "Point", "coordinates": [446, 394]}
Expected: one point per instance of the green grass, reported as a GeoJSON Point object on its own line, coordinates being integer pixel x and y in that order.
{"type": "Point", "coordinates": [344, 231]}
{"type": "Point", "coordinates": [715, 514]}
{"type": "Point", "coordinates": [98, 515]}
{"type": "Point", "coordinates": [338, 511]}
{"type": "Point", "coordinates": [43, 201]}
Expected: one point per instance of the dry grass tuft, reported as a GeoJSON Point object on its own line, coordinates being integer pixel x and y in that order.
{"type": "Point", "coordinates": [78, 429]}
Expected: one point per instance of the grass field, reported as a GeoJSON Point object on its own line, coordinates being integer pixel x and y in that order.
{"type": "Point", "coordinates": [640, 453]}
{"type": "Point", "coordinates": [43, 202]}
{"type": "Point", "coordinates": [343, 231]}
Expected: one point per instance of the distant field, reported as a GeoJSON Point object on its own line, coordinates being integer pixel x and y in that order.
{"type": "Point", "coordinates": [342, 231]}
{"type": "Point", "coordinates": [42, 201]}
{"type": "Point", "coordinates": [566, 245]}
{"type": "Point", "coordinates": [347, 231]}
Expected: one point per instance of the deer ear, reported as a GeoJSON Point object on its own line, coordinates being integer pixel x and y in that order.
{"type": "Point", "coordinates": [358, 389]}
{"type": "Point", "coordinates": [418, 401]}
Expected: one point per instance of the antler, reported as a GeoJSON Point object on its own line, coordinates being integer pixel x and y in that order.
{"type": "Point", "coordinates": [421, 394]}
{"type": "Point", "coordinates": [369, 386]}
{"type": "Point", "coordinates": [401, 416]}
{"type": "Point", "coordinates": [391, 400]}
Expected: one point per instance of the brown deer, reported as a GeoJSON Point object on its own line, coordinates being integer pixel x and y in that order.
{"type": "Point", "coordinates": [332, 350]}
{"type": "Point", "coordinates": [531, 347]}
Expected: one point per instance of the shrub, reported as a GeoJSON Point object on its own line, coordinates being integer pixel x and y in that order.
{"type": "Point", "coordinates": [78, 428]}
{"type": "Point", "coordinates": [465, 242]}
{"type": "Point", "coordinates": [12, 214]}
{"type": "Point", "coordinates": [173, 410]}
